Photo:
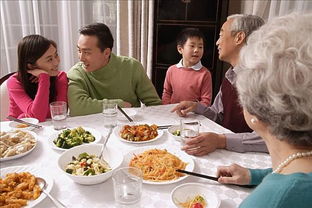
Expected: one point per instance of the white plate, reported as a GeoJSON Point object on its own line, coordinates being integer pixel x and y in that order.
{"type": "Point", "coordinates": [24, 153]}
{"type": "Point", "coordinates": [190, 190]}
{"type": "Point", "coordinates": [35, 172]}
{"type": "Point", "coordinates": [95, 133]}
{"type": "Point", "coordinates": [182, 155]}
{"type": "Point", "coordinates": [13, 124]}
{"type": "Point", "coordinates": [129, 111]}
{"type": "Point", "coordinates": [117, 134]}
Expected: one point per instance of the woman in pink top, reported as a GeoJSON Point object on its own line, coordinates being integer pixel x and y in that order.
{"type": "Point", "coordinates": [38, 81]}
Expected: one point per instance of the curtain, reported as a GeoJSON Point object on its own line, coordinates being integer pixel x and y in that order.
{"type": "Point", "coordinates": [130, 22]}
{"type": "Point", "coordinates": [135, 30]}
{"type": "Point", "coordinates": [272, 8]}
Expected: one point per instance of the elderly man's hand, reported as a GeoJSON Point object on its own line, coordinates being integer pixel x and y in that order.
{"type": "Point", "coordinates": [184, 107]}
{"type": "Point", "coordinates": [204, 143]}
{"type": "Point", "coordinates": [233, 174]}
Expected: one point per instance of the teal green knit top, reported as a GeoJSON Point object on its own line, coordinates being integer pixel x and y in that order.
{"type": "Point", "coordinates": [122, 79]}
{"type": "Point", "coordinates": [279, 191]}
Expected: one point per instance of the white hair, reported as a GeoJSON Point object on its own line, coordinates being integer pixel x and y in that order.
{"type": "Point", "coordinates": [245, 23]}
{"type": "Point", "coordinates": [275, 77]}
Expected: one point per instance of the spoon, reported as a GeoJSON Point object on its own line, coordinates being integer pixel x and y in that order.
{"type": "Point", "coordinates": [103, 147]}
{"type": "Point", "coordinates": [43, 184]}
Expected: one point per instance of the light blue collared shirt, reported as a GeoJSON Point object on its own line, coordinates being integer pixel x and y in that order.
{"type": "Point", "coordinates": [196, 67]}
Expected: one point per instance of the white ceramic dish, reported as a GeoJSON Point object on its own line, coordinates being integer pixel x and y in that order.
{"type": "Point", "coordinates": [187, 191]}
{"type": "Point", "coordinates": [117, 134]}
{"type": "Point", "coordinates": [182, 155]}
{"type": "Point", "coordinates": [14, 124]}
{"type": "Point", "coordinates": [34, 171]}
{"type": "Point", "coordinates": [172, 129]}
{"type": "Point", "coordinates": [111, 155]}
{"type": "Point", "coordinates": [95, 133]}
{"type": "Point", "coordinates": [24, 153]}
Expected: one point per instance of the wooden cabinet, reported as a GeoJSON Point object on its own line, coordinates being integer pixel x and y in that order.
{"type": "Point", "coordinates": [171, 16]}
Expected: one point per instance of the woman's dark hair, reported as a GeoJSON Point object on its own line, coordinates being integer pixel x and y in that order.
{"type": "Point", "coordinates": [102, 32]}
{"type": "Point", "coordinates": [30, 49]}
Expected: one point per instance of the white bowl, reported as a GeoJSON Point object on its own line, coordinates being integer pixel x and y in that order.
{"type": "Point", "coordinates": [172, 129]}
{"type": "Point", "coordinates": [111, 155]}
{"type": "Point", "coordinates": [14, 124]}
{"type": "Point", "coordinates": [188, 191]}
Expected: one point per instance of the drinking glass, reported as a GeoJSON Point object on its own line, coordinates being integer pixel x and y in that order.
{"type": "Point", "coordinates": [110, 114]}
{"type": "Point", "coordinates": [58, 111]}
{"type": "Point", "coordinates": [127, 185]}
{"type": "Point", "coordinates": [189, 129]}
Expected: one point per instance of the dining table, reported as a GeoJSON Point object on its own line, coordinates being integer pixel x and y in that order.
{"type": "Point", "coordinates": [153, 196]}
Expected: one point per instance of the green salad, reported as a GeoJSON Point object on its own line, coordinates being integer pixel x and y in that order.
{"type": "Point", "coordinates": [73, 137]}
{"type": "Point", "coordinates": [177, 132]}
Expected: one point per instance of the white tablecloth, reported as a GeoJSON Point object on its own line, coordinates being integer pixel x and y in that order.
{"type": "Point", "coordinates": [101, 195]}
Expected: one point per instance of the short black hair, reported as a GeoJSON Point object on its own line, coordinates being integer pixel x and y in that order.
{"type": "Point", "coordinates": [102, 32]}
{"type": "Point", "coordinates": [189, 33]}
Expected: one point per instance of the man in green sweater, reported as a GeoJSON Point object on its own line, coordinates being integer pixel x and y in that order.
{"type": "Point", "coordinates": [101, 76]}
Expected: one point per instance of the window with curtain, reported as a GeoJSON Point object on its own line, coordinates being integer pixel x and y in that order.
{"type": "Point", "coordinates": [56, 20]}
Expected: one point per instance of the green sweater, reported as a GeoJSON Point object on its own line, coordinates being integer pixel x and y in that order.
{"type": "Point", "coordinates": [279, 191]}
{"type": "Point", "coordinates": [122, 79]}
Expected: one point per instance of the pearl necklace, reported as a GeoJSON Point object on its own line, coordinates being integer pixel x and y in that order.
{"type": "Point", "coordinates": [290, 159]}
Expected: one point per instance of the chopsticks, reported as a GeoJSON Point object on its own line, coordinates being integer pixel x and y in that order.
{"type": "Point", "coordinates": [125, 114]}
{"type": "Point", "coordinates": [24, 122]}
{"type": "Point", "coordinates": [167, 126]}
{"type": "Point", "coordinates": [210, 178]}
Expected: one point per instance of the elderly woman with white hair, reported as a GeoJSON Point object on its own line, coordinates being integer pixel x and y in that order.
{"type": "Point", "coordinates": [275, 90]}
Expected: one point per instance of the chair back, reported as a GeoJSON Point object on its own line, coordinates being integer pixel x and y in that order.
{"type": "Point", "coordinates": [4, 98]}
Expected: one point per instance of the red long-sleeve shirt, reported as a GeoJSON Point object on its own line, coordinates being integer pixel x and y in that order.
{"type": "Point", "coordinates": [21, 105]}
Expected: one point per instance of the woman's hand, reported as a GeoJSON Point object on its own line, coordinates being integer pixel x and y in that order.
{"type": "Point", "coordinates": [37, 72]}
{"type": "Point", "coordinates": [233, 174]}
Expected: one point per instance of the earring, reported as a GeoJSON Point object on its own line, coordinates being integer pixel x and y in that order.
{"type": "Point", "coordinates": [253, 120]}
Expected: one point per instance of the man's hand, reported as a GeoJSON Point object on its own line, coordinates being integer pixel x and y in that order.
{"type": "Point", "coordinates": [204, 143]}
{"type": "Point", "coordinates": [126, 104]}
{"type": "Point", "coordinates": [184, 107]}
{"type": "Point", "coordinates": [233, 174]}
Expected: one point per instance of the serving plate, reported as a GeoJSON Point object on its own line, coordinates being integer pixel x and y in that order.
{"type": "Point", "coordinates": [119, 128]}
{"type": "Point", "coordinates": [24, 153]}
{"type": "Point", "coordinates": [181, 155]}
{"type": "Point", "coordinates": [95, 133]}
{"type": "Point", "coordinates": [34, 171]}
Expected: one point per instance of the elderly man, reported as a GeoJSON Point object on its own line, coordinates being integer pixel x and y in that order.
{"type": "Point", "coordinates": [101, 76]}
{"type": "Point", "coordinates": [226, 109]}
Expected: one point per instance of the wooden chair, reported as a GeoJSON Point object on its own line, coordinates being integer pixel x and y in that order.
{"type": "Point", "coordinates": [4, 98]}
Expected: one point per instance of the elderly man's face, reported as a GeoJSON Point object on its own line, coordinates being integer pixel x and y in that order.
{"type": "Point", "coordinates": [226, 43]}
{"type": "Point", "coordinates": [90, 54]}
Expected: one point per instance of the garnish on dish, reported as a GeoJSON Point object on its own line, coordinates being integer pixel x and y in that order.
{"type": "Point", "coordinates": [69, 138]}
{"type": "Point", "coordinates": [196, 202]}
{"type": "Point", "coordinates": [86, 165]}
{"type": "Point", "coordinates": [22, 125]}
{"type": "Point", "coordinates": [138, 133]}
{"type": "Point", "coordinates": [158, 165]}
{"type": "Point", "coordinates": [17, 189]}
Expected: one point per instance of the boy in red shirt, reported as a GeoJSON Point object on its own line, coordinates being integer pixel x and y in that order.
{"type": "Point", "coordinates": [189, 79]}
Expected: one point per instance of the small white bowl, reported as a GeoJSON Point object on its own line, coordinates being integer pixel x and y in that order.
{"type": "Point", "coordinates": [14, 125]}
{"type": "Point", "coordinates": [111, 155]}
{"type": "Point", "coordinates": [187, 191]}
{"type": "Point", "coordinates": [172, 129]}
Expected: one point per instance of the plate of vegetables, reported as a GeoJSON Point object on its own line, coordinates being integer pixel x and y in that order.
{"type": "Point", "coordinates": [72, 137]}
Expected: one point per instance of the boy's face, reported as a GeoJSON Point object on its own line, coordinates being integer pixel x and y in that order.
{"type": "Point", "coordinates": [90, 54]}
{"type": "Point", "coordinates": [192, 51]}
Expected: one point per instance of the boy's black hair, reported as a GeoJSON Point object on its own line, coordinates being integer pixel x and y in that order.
{"type": "Point", "coordinates": [102, 32]}
{"type": "Point", "coordinates": [189, 33]}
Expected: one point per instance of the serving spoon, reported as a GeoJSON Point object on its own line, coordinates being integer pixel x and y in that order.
{"type": "Point", "coordinates": [103, 147]}
{"type": "Point", "coordinates": [43, 184]}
